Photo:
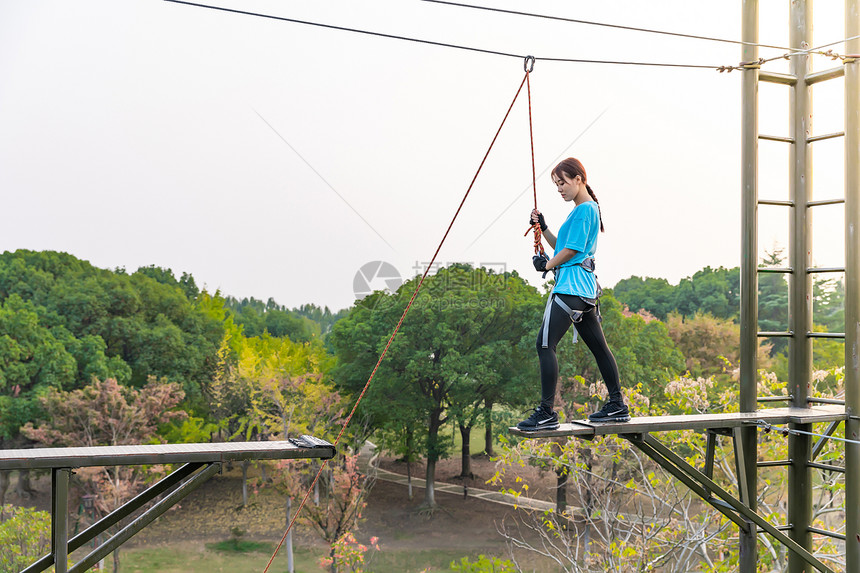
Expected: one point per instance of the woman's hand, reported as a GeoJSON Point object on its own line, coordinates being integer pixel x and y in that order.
{"type": "Point", "coordinates": [537, 217]}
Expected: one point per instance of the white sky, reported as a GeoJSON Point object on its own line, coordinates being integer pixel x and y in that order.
{"type": "Point", "coordinates": [131, 134]}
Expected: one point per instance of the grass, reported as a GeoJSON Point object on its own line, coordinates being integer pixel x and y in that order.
{"type": "Point", "coordinates": [191, 558]}
{"type": "Point", "coordinates": [239, 546]}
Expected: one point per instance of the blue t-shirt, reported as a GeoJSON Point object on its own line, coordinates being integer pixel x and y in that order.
{"type": "Point", "coordinates": [579, 233]}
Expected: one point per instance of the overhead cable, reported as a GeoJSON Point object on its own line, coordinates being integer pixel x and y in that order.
{"type": "Point", "coordinates": [442, 44]}
{"type": "Point", "coordinates": [815, 50]}
{"type": "Point", "coordinates": [607, 25]}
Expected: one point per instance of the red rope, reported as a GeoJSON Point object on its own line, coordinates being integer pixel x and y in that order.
{"type": "Point", "coordinates": [400, 322]}
{"type": "Point", "coordinates": [535, 226]}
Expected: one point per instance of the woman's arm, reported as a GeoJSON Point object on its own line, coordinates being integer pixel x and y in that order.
{"type": "Point", "coordinates": [562, 257]}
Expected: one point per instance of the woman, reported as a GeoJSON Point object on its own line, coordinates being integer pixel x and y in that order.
{"type": "Point", "coordinates": [573, 299]}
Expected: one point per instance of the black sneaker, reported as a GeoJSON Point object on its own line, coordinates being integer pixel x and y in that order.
{"type": "Point", "coordinates": [611, 412]}
{"type": "Point", "coordinates": [539, 420]}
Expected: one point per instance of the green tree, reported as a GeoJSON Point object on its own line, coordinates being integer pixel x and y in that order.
{"type": "Point", "coordinates": [25, 535]}
{"type": "Point", "coordinates": [656, 296]}
{"type": "Point", "coordinates": [444, 351]}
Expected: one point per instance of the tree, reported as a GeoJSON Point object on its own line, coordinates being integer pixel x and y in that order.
{"type": "Point", "coordinates": [457, 343]}
{"type": "Point", "coordinates": [25, 535]}
{"type": "Point", "coordinates": [113, 324]}
{"type": "Point", "coordinates": [710, 345]}
{"type": "Point", "coordinates": [656, 296]}
{"type": "Point", "coordinates": [106, 414]}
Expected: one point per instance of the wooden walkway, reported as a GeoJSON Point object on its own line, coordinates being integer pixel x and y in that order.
{"type": "Point", "coordinates": [43, 458]}
{"type": "Point", "coordinates": [586, 429]}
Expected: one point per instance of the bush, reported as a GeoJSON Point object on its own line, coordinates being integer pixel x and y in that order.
{"type": "Point", "coordinates": [25, 535]}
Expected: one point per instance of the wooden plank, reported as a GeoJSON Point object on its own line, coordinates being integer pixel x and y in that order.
{"type": "Point", "coordinates": [162, 454]}
{"type": "Point", "coordinates": [585, 429]}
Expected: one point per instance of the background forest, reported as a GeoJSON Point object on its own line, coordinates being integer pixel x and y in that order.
{"type": "Point", "coordinates": [90, 356]}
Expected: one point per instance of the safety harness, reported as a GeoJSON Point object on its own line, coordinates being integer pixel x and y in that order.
{"type": "Point", "coordinates": [575, 315]}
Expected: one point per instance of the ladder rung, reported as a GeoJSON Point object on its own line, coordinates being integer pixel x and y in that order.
{"type": "Point", "coordinates": [826, 467]}
{"type": "Point", "coordinates": [827, 136]}
{"type": "Point", "coordinates": [832, 534]}
{"type": "Point", "coordinates": [788, 270]}
{"type": "Point", "coordinates": [775, 202]}
{"type": "Point", "coordinates": [767, 334]}
{"type": "Point", "coordinates": [778, 528]}
{"type": "Point", "coordinates": [776, 138]}
{"type": "Point", "coordinates": [825, 401]}
{"type": "Point", "coordinates": [825, 202]}
{"type": "Point", "coordinates": [778, 463]}
{"type": "Point", "coordinates": [824, 75]}
{"type": "Point", "coordinates": [776, 78]}
{"type": "Point", "coordinates": [825, 334]}
{"type": "Point", "coordinates": [812, 270]}
{"type": "Point", "coordinates": [775, 399]}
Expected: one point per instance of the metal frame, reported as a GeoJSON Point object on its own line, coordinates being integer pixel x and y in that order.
{"type": "Point", "coordinates": [801, 450]}
{"type": "Point", "coordinates": [201, 462]}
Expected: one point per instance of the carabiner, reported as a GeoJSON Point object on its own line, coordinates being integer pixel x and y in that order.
{"type": "Point", "coordinates": [529, 64]}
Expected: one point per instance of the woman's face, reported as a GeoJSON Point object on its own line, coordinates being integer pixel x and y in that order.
{"type": "Point", "coordinates": [568, 188]}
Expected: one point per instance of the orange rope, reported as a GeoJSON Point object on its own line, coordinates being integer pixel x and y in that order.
{"type": "Point", "coordinates": [535, 226]}
{"type": "Point", "coordinates": [396, 328]}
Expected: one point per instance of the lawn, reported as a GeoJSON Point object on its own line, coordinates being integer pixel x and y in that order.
{"type": "Point", "coordinates": [197, 558]}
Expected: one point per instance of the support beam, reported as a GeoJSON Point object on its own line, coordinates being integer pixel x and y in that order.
{"type": "Point", "coordinates": [145, 519]}
{"type": "Point", "coordinates": [748, 562]}
{"type": "Point", "coordinates": [60, 517]}
{"type": "Point", "coordinates": [852, 288]}
{"type": "Point", "coordinates": [800, 283]}
{"type": "Point", "coordinates": [117, 515]}
{"type": "Point", "coordinates": [665, 457]}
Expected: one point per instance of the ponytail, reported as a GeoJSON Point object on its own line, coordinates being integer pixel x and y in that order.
{"type": "Point", "coordinates": [599, 214]}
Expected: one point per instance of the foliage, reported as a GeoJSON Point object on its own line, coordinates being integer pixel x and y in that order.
{"type": "Point", "coordinates": [25, 535]}
{"type": "Point", "coordinates": [483, 565]}
{"type": "Point", "coordinates": [713, 291]}
{"type": "Point", "coordinates": [459, 345]}
{"type": "Point", "coordinates": [348, 555]}
{"type": "Point", "coordinates": [711, 346]}
{"type": "Point", "coordinates": [337, 514]}
{"type": "Point", "coordinates": [257, 318]}
{"type": "Point", "coordinates": [105, 413]}
{"type": "Point", "coordinates": [64, 321]}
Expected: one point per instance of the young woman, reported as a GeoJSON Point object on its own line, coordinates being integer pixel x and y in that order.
{"type": "Point", "coordinates": [573, 299]}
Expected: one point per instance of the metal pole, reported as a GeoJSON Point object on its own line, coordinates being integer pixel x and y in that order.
{"type": "Point", "coordinates": [59, 519]}
{"type": "Point", "coordinates": [749, 277]}
{"type": "Point", "coordinates": [852, 290]}
{"type": "Point", "coordinates": [800, 286]}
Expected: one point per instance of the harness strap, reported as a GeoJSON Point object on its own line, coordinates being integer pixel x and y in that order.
{"type": "Point", "coordinates": [575, 316]}
{"type": "Point", "coordinates": [588, 264]}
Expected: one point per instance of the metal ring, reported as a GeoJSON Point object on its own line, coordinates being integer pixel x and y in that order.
{"type": "Point", "coordinates": [529, 64]}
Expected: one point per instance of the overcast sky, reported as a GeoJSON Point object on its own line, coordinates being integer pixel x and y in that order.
{"type": "Point", "coordinates": [272, 159]}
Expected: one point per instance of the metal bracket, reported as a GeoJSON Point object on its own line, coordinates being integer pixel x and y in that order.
{"type": "Point", "coordinates": [725, 502]}
{"type": "Point", "coordinates": [61, 546]}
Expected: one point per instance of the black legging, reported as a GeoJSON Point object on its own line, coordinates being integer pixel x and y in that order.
{"type": "Point", "coordinates": [591, 333]}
